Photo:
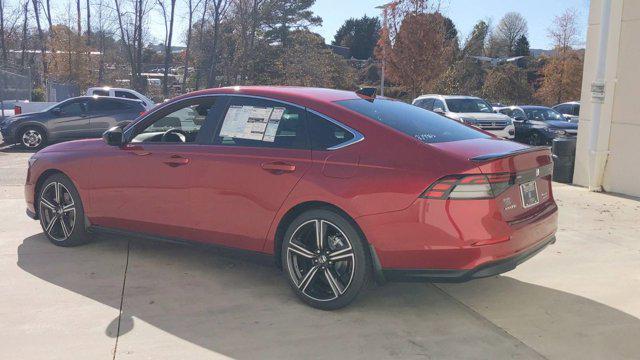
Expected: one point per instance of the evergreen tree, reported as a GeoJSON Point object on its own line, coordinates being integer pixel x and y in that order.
{"type": "Point", "coordinates": [359, 35]}
{"type": "Point", "coordinates": [522, 47]}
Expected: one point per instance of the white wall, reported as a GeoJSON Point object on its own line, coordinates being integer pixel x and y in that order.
{"type": "Point", "coordinates": [620, 113]}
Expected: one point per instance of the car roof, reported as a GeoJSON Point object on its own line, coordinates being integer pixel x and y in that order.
{"type": "Point", "coordinates": [533, 107]}
{"type": "Point", "coordinates": [447, 96]}
{"type": "Point", "coordinates": [98, 97]}
{"type": "Point", "coordinates": [305, 96]}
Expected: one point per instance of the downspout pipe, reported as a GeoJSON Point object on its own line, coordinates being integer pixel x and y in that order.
{"type": "Point", "coordinates": [598, 157]}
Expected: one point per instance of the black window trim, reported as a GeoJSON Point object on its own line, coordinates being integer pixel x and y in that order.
{"type": "Point", "coordinates": [357, 136]}
{"type": "Point", "coordinates": [131, 131]}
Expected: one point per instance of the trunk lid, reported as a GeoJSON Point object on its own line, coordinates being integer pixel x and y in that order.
{"type": "Point", "coordinates": [531, 168]}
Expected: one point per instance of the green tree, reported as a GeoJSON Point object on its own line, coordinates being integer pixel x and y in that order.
{"type": "Point", "coordinates": [359, 35]}
{"type": "Point", "coordinates": [474, 46]}
{"type": "Point", "coordinates": [283, 16]}
{"type": "Point", "coordinates": [506, 84]}
{"type": "Point", "coordinates": [522, 46]}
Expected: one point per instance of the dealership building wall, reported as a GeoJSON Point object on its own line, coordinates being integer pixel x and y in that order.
{"type": "Point", "coordinates": [611, 157]}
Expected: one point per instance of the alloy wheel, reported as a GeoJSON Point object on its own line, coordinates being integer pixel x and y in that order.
{"type": "Point", "coordinates": [57, 211]}
{"type": "Point", "coordinates": [31, 139]}
{"type": "Point", "coordinates": [320, 260]}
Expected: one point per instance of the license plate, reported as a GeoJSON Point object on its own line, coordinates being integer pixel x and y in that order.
{"type": "Point", "coordinates": [529, 192]}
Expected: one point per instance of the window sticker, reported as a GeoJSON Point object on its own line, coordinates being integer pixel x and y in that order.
{"type": "Point", "coordinates": [252, 122]}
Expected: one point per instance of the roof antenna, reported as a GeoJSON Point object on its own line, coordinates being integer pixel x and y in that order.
{"type": "Point", "coordinates": [369, 92]}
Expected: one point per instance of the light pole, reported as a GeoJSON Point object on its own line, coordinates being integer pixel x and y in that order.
{"type": "Point", "coordinates": [385, 32]}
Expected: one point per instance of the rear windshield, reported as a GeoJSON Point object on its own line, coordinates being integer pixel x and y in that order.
{"type": "Point", "coordinates": [543, 114]}
{"type": "Point", "coordinates": [421, 124]}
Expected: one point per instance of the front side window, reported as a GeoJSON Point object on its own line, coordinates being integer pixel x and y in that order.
{"type": "Point", "coordinates": [179, 124]}
{"type": "Point", "coordinates": [469, 106]}
{"type": "Point", "coordinates": [263, 123]}
{"type": "Point", "coordinates": [425, 104]}
{"type": "Point", "coordinates": [416, 122]}
{"type": "Point", "coordinates": [324, 134]}
{"type": "Point", "coordinates": [438, 104]}
{"type": "Point", "coordinates": [101, 92]}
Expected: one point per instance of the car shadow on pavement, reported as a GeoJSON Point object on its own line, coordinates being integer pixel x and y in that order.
{"type": "Point", "coordinates": [243, 309]}
{"type": "Point", "coordinates": [14, 149]}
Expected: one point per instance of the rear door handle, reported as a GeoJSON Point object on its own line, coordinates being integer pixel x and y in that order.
{"type": "Point", "coordinates": [177, 160]}
{"type": "Point", "coordinates": [278, 167]}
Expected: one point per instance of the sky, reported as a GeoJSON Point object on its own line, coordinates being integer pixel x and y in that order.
{"type": "Point", "coordinates": [464, 13]}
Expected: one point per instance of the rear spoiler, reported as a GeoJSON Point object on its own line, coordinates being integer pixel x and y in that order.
{"type": "Point", "coordinates": [501, 155]}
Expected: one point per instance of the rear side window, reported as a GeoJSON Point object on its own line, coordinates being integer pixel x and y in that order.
{"type": "Point", "coordinates": [324, 134]}
{"type": "Point", "coordinates": [263, 123]}
{"type": "Point", "coordinates": [106, 105]}
{"type": "Point", "coordinates": [421, 124]}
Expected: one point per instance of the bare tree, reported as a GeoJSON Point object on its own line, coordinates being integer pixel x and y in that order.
{"type": "Point", "coordinates": [88, 23]}
{"type": "Point", "coordinates": [168, 38]}
{"type": "Point", "coordinates": [79, 18]}
{"type": "Point", "coordinates": [564, 32]}
{"type": "Point", "coordinates": [509, 29]}
{"type": "Point", "coordinates": [2, 41]}
{"type": "Point", "coordinates": [132, 38]}
{"type": "Point", "coordinates": [192, 8]}
{"type": "Point", "coordinates": [43, 42]}
{"type": "Point", "coordinates": [219, 9]}
{"type": "Point", "coordinates": [205, 7]}
{"type": "Point", "coordinates": [24, 39]}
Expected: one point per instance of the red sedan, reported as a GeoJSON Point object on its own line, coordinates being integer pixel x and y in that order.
{"type": "Point", "coordinates": [339, 187]}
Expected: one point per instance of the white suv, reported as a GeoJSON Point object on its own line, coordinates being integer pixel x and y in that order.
{"type": "Point", "coordinates": [469, 110]}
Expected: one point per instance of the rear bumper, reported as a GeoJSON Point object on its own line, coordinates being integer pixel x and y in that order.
{"type": "Point", "coordinates": [455, 276]}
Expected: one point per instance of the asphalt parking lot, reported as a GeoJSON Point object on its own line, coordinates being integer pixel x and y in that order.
{"type": "Point", "coordinates": [122, 297]}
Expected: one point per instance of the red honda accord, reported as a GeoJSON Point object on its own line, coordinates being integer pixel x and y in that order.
{"type": "Point", "coordinates": [339, 187]}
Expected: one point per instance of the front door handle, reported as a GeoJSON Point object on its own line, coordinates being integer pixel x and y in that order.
{"type": "Point", "coordinates": [278, 167]}
{"type": "Point", "coordinates": [177, 160]}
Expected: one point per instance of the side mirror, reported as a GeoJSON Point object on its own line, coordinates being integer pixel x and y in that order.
{"type": "Point", "coordinates": [56, 111]}
{"type": "Point", "coordinates": [113, 136]}
{"type": "Point", "coordinates": [438, 110]}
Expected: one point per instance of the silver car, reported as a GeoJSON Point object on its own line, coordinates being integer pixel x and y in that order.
{"type": "Point", "coordinates": [75, 118]}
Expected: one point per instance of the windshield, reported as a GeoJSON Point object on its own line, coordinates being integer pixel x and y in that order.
{"type": "Point", "coordinates": [543, 114]}
{"type": "Point", "coordinates": [468, 106]}
{"type": "Point", "coordinates": [414, 121]}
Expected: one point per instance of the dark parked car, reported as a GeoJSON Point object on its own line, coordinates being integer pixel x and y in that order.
{"type": "Point", "coordinates": [75, 118]}
{"type": "Point", "coordinates": [539, 125]}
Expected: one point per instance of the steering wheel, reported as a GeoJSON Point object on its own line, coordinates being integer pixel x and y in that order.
{"type": "Point", "coordinates": [181, 135]}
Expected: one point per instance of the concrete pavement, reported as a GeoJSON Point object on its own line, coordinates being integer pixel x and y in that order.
{"type": "Point", "coordinates": [129, 298]}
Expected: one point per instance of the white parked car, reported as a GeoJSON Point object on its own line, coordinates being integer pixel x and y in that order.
{"type": "Point", "coordinates": [469, 110]}
{"type": "Point", "coordinates": [122, 93]}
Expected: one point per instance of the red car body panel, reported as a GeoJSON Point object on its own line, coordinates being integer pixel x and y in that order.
{"type": "Point", "coordinates": [223, 195]}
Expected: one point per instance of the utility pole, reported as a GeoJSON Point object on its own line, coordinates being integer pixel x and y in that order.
{"type": "Point", "coordinates": [385, 34]}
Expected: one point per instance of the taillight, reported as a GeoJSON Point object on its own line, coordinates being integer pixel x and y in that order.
{"type": "Point", "coordinates": [478, 186]}
{"type": "Point", "coordinates": [17, 110]}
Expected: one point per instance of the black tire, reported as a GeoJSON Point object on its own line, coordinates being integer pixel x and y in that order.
{"type": "Point", "coordinates": [61, 212]}
{"type": "Point", "coordinates": [535, 139]}
{"type": "Point", "coordinates": [32, 138]}
{"type": "Point", "coordinates": [341, 263]}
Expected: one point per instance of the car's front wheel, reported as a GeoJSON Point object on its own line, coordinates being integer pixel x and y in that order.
{"type": "Point", "coordinates": [61, 212]}
{"type": "Point", "coordinates": [33, 138]}
{"type": "Point", "coordinates": [325, 259]}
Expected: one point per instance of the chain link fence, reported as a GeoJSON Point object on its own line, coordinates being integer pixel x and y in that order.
{"type": "Point", "coordinates": [15, 86]}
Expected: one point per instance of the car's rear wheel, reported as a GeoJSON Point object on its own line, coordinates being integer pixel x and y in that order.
{"type": "Point", "coordinates": [325, 259]}
{"type": "Point", "coordinates": [61, 212]}
{"type": "Point", "coordinates": [32, 137]}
